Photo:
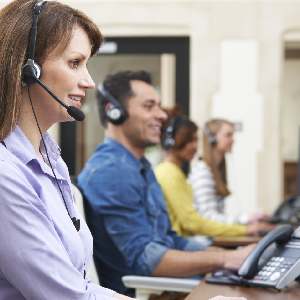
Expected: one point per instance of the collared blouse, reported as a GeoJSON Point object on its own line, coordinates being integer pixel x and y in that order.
{"type": "Point", "coordinates": [42, 256]}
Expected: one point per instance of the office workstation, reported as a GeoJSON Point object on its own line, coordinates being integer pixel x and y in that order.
{"type": "Point", "coordinates": [168, 204]}
{"type": "Point", "coordinates": [260, 185]}
{"type": "Point", "coordinates": [271, 271]}
{"type": "Point", "coordinates": [206, 291]}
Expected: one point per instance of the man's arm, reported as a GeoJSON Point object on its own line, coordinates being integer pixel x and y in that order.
{"type": "Point", "coordinates": [184, 263]}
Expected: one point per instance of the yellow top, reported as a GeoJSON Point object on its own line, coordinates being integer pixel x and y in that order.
{"type": "Point", "coordinates": [185, 219]}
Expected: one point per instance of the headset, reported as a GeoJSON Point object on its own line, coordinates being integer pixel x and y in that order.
{"type": "Point", "coordinates": [31, 71]}
{"type": "Point", "coordinates": [211, 137]}
{"type": "Point", "coordinates": [113, 109]}
{"type": "Point", "coordinates": [168, 136]}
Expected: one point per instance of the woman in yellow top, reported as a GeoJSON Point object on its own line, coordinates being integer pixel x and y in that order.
{"type": "Point", "coordinates": [179, 139]}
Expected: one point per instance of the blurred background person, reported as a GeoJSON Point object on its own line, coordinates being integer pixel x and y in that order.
{"type": "Point", "coordinates": [180, 141]}
{"type": "Point", "coordinates": [208, 175]}
{"type": "Point", "coordinates": [126, 210]}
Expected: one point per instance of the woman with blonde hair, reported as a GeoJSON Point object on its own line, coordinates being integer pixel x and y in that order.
{"type": "Point", "coordinates": [208, 175]}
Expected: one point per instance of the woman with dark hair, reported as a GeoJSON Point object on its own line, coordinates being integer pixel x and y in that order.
{"type": "Point", "coordinates": [180, 140]}
{"type": "Point", "coordinates": [45, 245]}
{"type": "Point", "coordinates": [208, 175]}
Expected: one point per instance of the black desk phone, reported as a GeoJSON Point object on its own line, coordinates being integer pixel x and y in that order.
{"type": "Point", "coordinates": [288, 212]}
{"type": "Point", "coordinates": [274, 262]}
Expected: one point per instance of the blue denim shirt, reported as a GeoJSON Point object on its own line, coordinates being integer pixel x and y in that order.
{"type": "Point", "coordinates": [127, 215]}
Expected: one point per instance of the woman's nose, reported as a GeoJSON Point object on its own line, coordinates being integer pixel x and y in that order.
{"type": "Point", "coordinates": [87, 82]}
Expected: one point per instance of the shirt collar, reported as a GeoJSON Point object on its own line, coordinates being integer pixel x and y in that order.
{"type": "Point", "coordinates": [18, 144]}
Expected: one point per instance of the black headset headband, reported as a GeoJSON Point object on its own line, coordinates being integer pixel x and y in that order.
{"type": "Point", "coordinates": [107, 96]}
{"type": "Point", "coordinates": [31, 70]}
{"type": "Point", "coordinates": [37, 9]}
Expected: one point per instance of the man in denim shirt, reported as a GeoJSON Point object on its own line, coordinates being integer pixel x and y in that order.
{"type": "Point", "coordinates": [126, 211]}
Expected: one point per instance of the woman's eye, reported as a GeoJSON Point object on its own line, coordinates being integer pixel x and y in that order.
{"type": "Point", "coordinates": [74, 64]}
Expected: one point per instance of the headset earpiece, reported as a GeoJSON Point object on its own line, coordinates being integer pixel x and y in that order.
{"type": "Point", "coordinates": [168, 137]}
{"type": "Point", "coordinates": [211, 137]}
{"type": "Point", "coordinates": [114, 111]}
{"type": "Point", "coordinates": [30, 71]}
{"type": "Point", "coordinates": [168, 140]}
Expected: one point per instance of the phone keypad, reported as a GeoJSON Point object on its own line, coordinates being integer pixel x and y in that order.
{"type": "Point", "coordinates": [274, 268]}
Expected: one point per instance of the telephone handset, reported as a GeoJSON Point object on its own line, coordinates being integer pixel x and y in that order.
{"type": "Point", "coordinates": [275, 261]}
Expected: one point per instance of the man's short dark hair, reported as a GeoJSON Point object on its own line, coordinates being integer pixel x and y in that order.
{"type": "Point", "coordinates": [118, 85]}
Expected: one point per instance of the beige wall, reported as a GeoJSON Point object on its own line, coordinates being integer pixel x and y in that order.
{"type": "Point", "coordinates": [290, 110]}
{"type": "Point", "coordinates": [209, 23]}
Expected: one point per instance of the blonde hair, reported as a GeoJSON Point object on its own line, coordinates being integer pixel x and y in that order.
{"type": "Point", "coordinates": [55, 26]}
{"type": "Point", "coordinates": [210, 132]}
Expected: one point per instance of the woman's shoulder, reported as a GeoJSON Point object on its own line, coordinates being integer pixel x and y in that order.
{"type": "Point", "coordinates": [9, 164]}
{"type": "Point", "coordinates": [167, 167]}
{"type": "Point", "coordinates": [16, 179]}
{"type": "Point", "coordinates": [200, 172]}
{"type": "Point", "coordinates": [167, 171]}
{"type": "Point", "coordinates": [200, 166]}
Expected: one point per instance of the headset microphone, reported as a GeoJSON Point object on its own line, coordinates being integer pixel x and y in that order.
{"type": "Point", "coordinates": [29, 77]}
{"type": "Point", "coordinates": [73, 111]}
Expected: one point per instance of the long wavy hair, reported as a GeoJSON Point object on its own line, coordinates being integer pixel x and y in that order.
{"type": "Point", "coordinates": [210, 132]}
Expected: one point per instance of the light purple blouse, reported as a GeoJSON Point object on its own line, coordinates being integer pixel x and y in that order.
{"type": "Point", "coordinates": [42, 256]}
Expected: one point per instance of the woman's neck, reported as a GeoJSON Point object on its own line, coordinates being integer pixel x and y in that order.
{"type": "Point", "coordinates": [170, 157]}
{"type": "Point", "coordinates": [32, 133]}
{"type": "Point", "coordinates": [29, 126]}
{"type": "Point", "coordinates": [218, 157]}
